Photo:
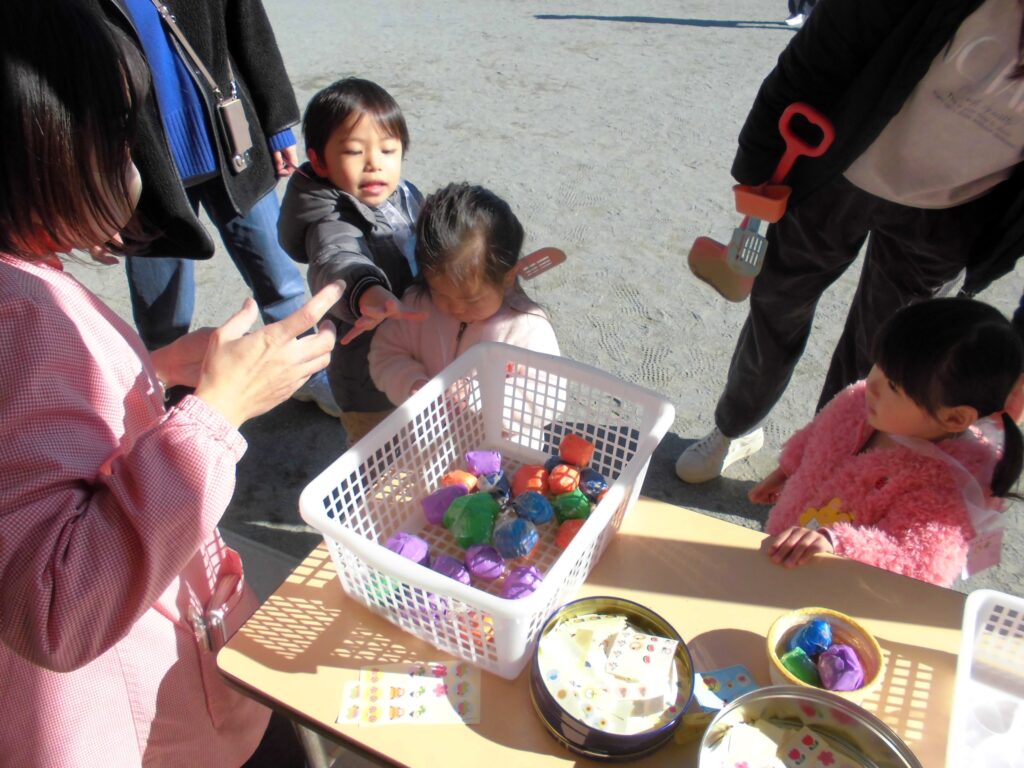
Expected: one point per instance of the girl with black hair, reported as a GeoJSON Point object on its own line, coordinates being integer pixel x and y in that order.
{"type": "Point", "coordinates": [895, 471]}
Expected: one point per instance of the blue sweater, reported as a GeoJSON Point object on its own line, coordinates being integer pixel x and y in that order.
{"type": "Point", "coordinates": [181, 106]}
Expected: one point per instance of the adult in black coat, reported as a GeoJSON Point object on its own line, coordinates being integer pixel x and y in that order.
{"type": "Point", "coordinates": [858, 62]}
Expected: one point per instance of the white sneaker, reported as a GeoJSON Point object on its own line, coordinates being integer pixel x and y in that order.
{"type": "Point", "coordinates": [796, 20]}
{"type": "Point", "coordinates": [708, 457]}
{"type": "Point", "coordinates": [318, 390]}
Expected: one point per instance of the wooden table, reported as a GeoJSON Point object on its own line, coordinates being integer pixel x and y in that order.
{"type": "Point", "coordinates": [705, 576]}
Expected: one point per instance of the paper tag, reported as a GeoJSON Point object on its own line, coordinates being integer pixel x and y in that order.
{"type": "Point", "coordinates": [714, 689]}
{"type": "Point", "coordinates": [984, 551]}
{"type": "Point", "coordinates": [429, 693]}
{"type": "Point", "coordinates": [641, 658]}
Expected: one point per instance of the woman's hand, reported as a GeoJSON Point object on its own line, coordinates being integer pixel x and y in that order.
{"type": "Point", "coordinates": [768, 490]}
{"type": "Point", "coordinates": [377, 304]}
{"type": "Point", "coordinates": [181, 361]}
{"type": "Point", "coordinates": [795, 546]}
{"type": "Point", "coordinates": [246, 374]}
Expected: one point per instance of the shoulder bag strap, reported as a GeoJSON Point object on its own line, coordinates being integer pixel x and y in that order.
{"type": "Point", "coordinates": [172, 25]}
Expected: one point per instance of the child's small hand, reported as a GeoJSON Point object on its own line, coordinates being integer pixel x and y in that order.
{"type": "Point", "coordinates": [376, 305]}
{"type": "Point", "coordinates": [795, 546]}
{"type": "Point", "coordinates": [768, 490]}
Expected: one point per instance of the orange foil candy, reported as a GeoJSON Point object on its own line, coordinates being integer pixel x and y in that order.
{"type": "Point", "coordinates": [567, 531]}
{"type": "Point", "coordinates": [564, 479]}
{"type": "Point", "coordinates": [530, 477]}
{"type": "Point", "coordinates": [457, 477]}
{"type": "Point", "coordinates": [576, 450]}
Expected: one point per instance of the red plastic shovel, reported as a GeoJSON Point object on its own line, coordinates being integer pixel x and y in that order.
{"type": "Point", "coordinates": [731, 269]}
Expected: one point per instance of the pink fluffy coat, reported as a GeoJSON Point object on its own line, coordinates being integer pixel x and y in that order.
{"type": "Point", "coordinates": [908, 514]}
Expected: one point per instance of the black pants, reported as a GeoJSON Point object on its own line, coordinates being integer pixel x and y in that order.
{"type": "Point", "coordinates": [911, 253]}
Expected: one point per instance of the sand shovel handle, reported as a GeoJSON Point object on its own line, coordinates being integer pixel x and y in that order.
{"type": "Point", "coordinates": [797, 147]}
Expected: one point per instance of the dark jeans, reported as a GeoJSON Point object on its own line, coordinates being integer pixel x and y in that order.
{"type": "Point", "coordinates": [911, 253]}
{"type": "Point", "coordinates": [162, 289]}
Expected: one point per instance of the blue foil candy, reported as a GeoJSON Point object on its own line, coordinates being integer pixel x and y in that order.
{"type": "Point", "coordinates": [496, 484]}
{"type": "Point", "coordinates": [515, 538]}
{"type": "Point", "coordinates": [533, 506]}
{"type": "Point", "coordinates": [592, 483]}
{"type": "Point", "coordinates": [814, 637]}
{"type": "Point", "coordinates": [553, 462]}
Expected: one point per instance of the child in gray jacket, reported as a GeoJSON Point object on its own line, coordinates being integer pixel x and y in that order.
{"type": "Point", "coordinates": [349, 214]}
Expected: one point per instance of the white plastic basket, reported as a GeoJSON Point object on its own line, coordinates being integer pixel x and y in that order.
{"type": "Point", "coordinates": [493, 397]}
{"type": "Point", "coordinates": [987, 724]}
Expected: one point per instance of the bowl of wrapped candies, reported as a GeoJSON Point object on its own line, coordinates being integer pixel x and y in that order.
{"type": "Point", "coordinates": [825, 649]}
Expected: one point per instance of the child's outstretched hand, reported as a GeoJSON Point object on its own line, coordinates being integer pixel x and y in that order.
{"type": "Point", "coordinates": [768, 490]}
{"type": "Point", "coordinates": [376, 305]}
{"type": "Point", "coordinates": [795, 546]}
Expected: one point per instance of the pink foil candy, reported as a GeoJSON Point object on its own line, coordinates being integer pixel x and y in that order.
{"type": "Point", "coordinates": [840, 668]}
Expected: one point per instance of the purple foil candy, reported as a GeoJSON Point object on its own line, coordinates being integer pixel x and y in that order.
{"type": "Point", "coordinates": [515, 537]}
{"type": "Point", "coordinates": [592, 483]}
{"type": "Point", "coordinates": [521, 582]}
{"type": "Point", "coordinates": [533, 506]}
{"type": "Point", "coordinates": [814, 637]}
{"type": "Point", "coordinates": [437, 503]}
{"type": "Point", "coordinates": [483, 462]}
{"type": "Point", "coordinates": [411, 547]}
{"type": "Point", "coordinates": [495, 484]}
{"type": "Point", "coordinates": [449, 566]}
{"type": "Point", "coordinates": [840, 668]}
{"type": "Point", "coordinates": [485, 562]}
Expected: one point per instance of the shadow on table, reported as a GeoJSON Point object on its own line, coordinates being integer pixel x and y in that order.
{"type": "Point", "coordinates": [717, 573]}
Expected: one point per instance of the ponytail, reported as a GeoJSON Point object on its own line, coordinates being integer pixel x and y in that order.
{"type": "Point", "coordinates": [1008, 469]}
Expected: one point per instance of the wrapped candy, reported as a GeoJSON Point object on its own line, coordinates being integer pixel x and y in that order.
{"type": "Point", "coordinates": [813, 637]}
{"type": "Point", "coordinates": [571, 506]}
{"type": "Point", "coordinates": [483, 462]}
{"type": "Point", "coordinates": [451, 567]}
{"type": "Point", "coordinates": [840, 668]}
{"type": "Point", "coordinates": [592, 483]}
{"type": "Point", "coordinates": [530, 477]}
{"type": "Point", "coordinates": [459, 477]}
{"type": "Point", "coordinates": [484, 562]}
{"type": "Point", "coordinates": [515, 537]}
{"type": "Point", "coordinates": [521, 582]}
{"type": "Point", "coordinates": [567, 532]}
{"type": "Point", "coordinates": [411, 547]}
{"type": "Point", "coordinates": [437, 503]}
{"type": "Point", "coordinates": [534, 507]}
{"type": "Point", "coordinates": [563, 479]}
{"type": "Point", "coordinates": [496, 484]}
{"type": "Point", "coordinates": [577, 450]}
{"type": "Point", "coordinates": [471, 518]}
{"type": "Point", "coordinates": [800, 666]}
{"type": "Point", "coordinates": [553, 462]}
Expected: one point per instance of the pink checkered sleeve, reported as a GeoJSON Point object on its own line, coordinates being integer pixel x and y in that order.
{"type": "Point", "coordinates": [104, 498]}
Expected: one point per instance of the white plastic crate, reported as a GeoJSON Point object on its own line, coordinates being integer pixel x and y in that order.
{"type": "Point", "coordinates": [987, 725]}
{"type": "Point", "coordinates": [493, 397]}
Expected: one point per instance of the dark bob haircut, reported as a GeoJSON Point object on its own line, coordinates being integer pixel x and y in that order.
{"type": "Point", "coordinates": [952, 352]}
{"type": "Point", "coordinates": [67, 96]}
{"type": "Point", "coordinates": [466, 230]}
{"type": "Point", "coordinates": [333, 105]}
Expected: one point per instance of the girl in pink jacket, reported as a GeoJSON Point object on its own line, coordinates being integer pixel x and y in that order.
{"type": "Point", "coordinates": [109, 504]}
{"type": "Point", "coordinates": [468, 242]}
{"type": "Point", "coordinates": [894, 472]}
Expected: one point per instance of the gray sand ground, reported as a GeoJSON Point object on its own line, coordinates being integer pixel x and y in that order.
{"type": "Point", "coordinates": [610, 128]}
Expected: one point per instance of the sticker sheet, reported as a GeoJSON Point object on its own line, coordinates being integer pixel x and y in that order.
{"type": "Point", "coordinates": [428, 693]}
